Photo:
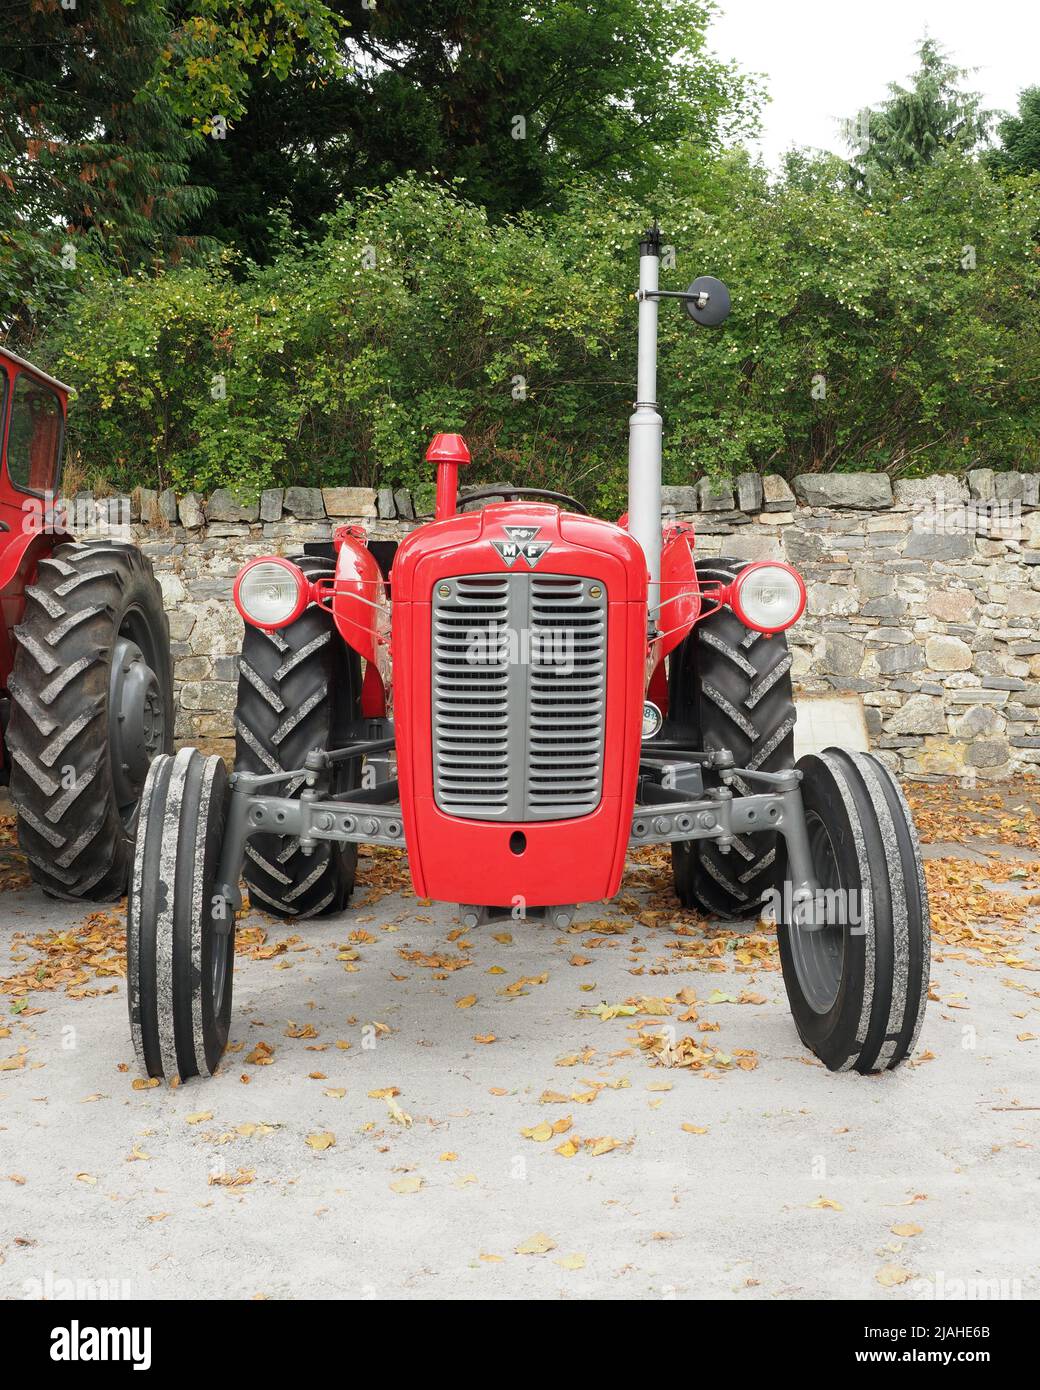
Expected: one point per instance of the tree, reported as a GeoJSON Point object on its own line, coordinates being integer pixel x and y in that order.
{"type": "Point", "coordinates": [101, 105]}
{"type": "Point", "coordinates": [916, 123]}
{"type": "Point", "coordinates": [514, 98]}
{"type": "Point", "coordinates": [1019, 138]}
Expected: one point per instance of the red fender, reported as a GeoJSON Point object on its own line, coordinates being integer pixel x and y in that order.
{"type": "Point", "coordinates": [361, 612]}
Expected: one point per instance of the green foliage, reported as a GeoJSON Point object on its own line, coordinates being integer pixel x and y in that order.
{"type": "Point", "coordinates": [897, 334]}
{"type": "Point", "coordinates": [512, 98]}
{"type": "Point", "coordinates": [101, 106]}
{"type": "Point", "coordinates": [1019, 138]}
{"type": "Point", "coordinates": [917, 123]}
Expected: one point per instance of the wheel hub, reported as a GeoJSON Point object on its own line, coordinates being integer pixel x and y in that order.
{"type": "Point", "coordinates": [819, 952]}
{"type": "Point", "coordinates": [137, 721]}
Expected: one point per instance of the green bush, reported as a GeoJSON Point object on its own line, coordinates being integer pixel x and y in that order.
{"type": "Point", "coordinates": [898, 334]}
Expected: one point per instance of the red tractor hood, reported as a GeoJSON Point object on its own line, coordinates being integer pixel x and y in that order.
{"type": "Point", "coordinates": [495, 859]}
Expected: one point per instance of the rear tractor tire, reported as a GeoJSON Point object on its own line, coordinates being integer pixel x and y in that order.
{"type": "Point", "coordinates": [731, 688]}
{"type": "Point", "coordinates": [180, 933]}
{"type": "Point", "coordinates": [298, 689]}
{"type": "Point", "coordinates": [91, 706]}
{"type": "Point", "coordinates": [858, 984]}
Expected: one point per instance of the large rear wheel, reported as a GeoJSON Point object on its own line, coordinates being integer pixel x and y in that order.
{"type": "Point", "coordinates": [91, 707]}
{"type": "Point", "coordinates": [730, 687]}
{"type": "Point", "coordinates": [298, 689]}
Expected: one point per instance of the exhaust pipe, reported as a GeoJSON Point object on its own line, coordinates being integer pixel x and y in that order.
{"type": "Point", "coordinates": [645, 427]}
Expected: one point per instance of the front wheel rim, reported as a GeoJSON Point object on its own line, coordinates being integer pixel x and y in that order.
{"type": "Point", "coordinates": [819, 955]}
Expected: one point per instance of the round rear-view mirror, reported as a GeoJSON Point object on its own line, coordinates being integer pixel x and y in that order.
{"type": "Point", "coordinates": [710, 306]}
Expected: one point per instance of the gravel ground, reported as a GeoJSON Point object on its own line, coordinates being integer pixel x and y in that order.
{"type": "Point", "coordinates": [789, 1182]}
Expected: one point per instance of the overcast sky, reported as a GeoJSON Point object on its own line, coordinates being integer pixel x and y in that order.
{"type": "Point", "coordinates": [825, 59]}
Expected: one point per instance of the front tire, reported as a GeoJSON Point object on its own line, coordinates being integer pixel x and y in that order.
{"type": "Point", "coordinates": [730, 687]}
{"type": "Point", "coordinates": [299, 688]}
{"type": "Point", "coordinates": [857, 985]}
{"type": "Point", "coordinates": [180, 933]}
{"type": "Point", "coordinates": [91, 706]}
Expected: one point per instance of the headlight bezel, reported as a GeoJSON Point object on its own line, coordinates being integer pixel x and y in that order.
{"type": "Point", "coordinates": [304, 595]}
{"type": "Point", "coordinates": [757, 623]}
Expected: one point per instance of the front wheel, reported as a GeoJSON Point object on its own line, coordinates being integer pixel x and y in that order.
{"type": "Point", "coordinates": [180, 932]}
{"type": "Point", "coordinates": [858, 982]}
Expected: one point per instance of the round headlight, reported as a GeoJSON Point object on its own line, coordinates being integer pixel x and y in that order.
{"type": "Point", "coordinates": [271, 593]}
{"type": "Point", "coordinates": [768, 597]}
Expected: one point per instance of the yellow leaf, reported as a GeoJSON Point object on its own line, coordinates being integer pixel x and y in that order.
{"type": "Point", "coordinates": [539, 1133]}
{"type": "Point", "coordinates": [568, 1148]}
{"type": "Point", "coordinates": [409, 1184]}
{"type": "Point", "coordinates": [398, 1115]}
{"type": "Point", "coordinates": [88, 1178]}
{"type": "Point", "coordinates": [606, 1145]}
{"type": "Point", "coordinates": [906, 1228]}
{"type": "Point", "coordinates": [694, 1129]}
{"type": "Point", "coordinates": [484, 1038]}
{"type": "Point", "coordinates": [466, 1002]}
{"type": "Point", "coordinates": [384, 1093]}
{"type": "Point", "coordinates": [449, 1157]}
{"type": "Point", "coordinates": [492, 1259]}
{"type": "Point", "coordinates": [198, 1117]}
{"type": "Point", "coordinates": [828, 1203]}
{"type": "Point", "coordinates": [335, 1092]}
{"type": "Point", "coordinates": [609, 1011]}
{"type": "Point", "coordinates": [572, 1262]}
{"type": "Point", "coordinates": [503, 938]}
{"type": "Point", "coordinates": [539, 1244]}
{"type": "Point", "coordinates": [322, 1140]}
{"type": "Point", "coordinates": [139, 1083]}
{"type": "Point", "coordinates": [891, 1274]}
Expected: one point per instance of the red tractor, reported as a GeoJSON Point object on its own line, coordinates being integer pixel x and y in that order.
{"type": "Point", "coordinates": [547, 690]}
{"type": "Point", "coordinates": [86, 688]}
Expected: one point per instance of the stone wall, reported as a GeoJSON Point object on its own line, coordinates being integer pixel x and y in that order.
{"type": "Point", "coordinates": [924, 600]}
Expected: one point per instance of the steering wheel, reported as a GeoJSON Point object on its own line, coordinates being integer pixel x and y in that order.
{"type": "Point", "coordinates": [509, 493]}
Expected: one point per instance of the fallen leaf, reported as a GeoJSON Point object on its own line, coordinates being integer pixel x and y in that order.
{"type": "Point", "coordinates": [539, 1133]}
{"type": "Point", "coordinates": [398, 1115]}
{"type": "Point", "coordinates": [539, 1244]}
{"type": "Point", "coordinates": [322, 1140]}
{"type": "Point", "coordinates": [572, 1262]}
{"type": "Point", "coordinates": [409, 1184]}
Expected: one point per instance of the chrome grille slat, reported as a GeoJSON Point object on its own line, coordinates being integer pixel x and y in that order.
{"type": "Point", "coordinates": [518, 740]}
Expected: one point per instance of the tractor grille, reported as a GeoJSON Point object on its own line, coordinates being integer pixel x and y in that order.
{"type": "Point", "coordinates": [519, 687]}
